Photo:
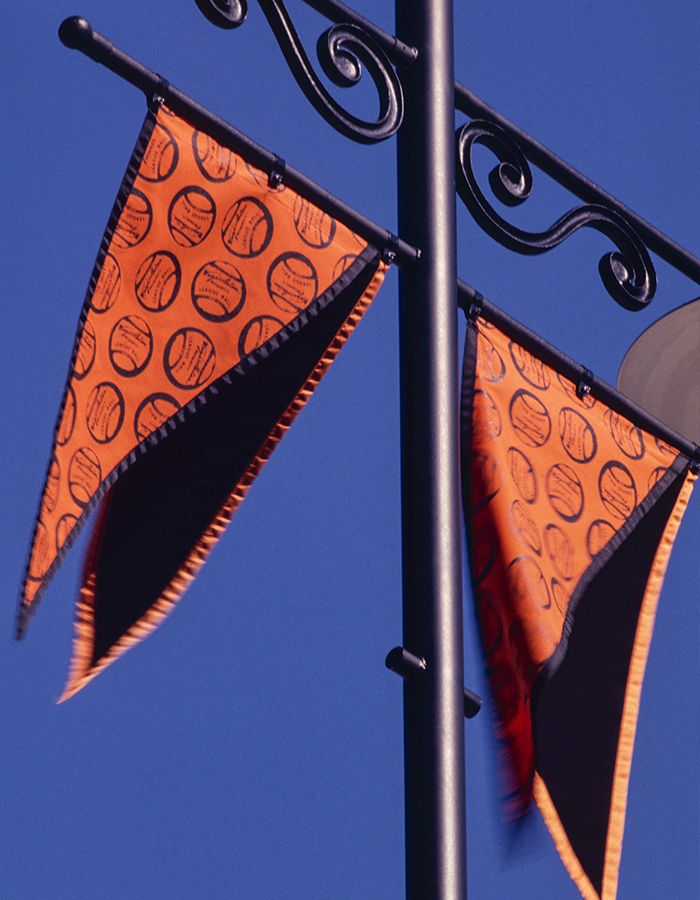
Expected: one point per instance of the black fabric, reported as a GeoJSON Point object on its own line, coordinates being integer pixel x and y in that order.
{"type": "Point", "coordinates": [160, 506]}
{"type": "Point", "coordinates": [577, 713]}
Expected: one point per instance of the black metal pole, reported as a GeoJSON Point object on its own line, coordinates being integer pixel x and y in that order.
{"type": "Point", "coordinates": [432, 584]}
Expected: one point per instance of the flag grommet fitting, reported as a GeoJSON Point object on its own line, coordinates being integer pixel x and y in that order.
{"type": "Point", "coordinates": [158, 97]}
{"type": "Point", "coordinates": [276, 176]}
{"type": "Point", "coordinates": [695, 462]}
{"type": "Point", "coordinates": [391, 248]}
{"type": "Point", "coordinates": [583, 388]}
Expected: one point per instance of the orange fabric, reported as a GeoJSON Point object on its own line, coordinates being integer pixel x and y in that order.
{"type": "Point", "coordinates": [82, 669]}
{"type": "Point", "coordinates": [202, 263]}
{"type": "Point", "coordinates": [623, 761]}
{"type": "Point", "coordinates": [554, 478]}
{"type": "Point", "coordinates": [561, 475]}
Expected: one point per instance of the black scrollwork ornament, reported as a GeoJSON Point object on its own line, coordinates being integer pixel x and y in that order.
{"type": "Point", "coordinates": [343, 51]}
{"type": "Point", "coordinates": [224, 13]}
{"type": "Point", "coordinates": [628, 275]}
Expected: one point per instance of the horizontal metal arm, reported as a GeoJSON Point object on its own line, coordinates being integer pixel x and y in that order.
{"type": "Point", "coordinates": [77, 34]}
{"type": "Point", "coordinates": [579, 185]}
{"type": "Point", "coordinates": [402, 55]}
{"type": "Point", "coordinates": [474, 305]}
{"type": "Point", "coordinates": [399, 54]}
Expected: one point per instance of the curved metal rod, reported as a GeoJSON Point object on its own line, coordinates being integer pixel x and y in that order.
{"type": "Point", "coordinates": [582, 187]}
{"type": "Point", "coordinates": [224, 13]}
{"type": "Point", "coordinates": [343, 50]}
{"type": "Point", "coordinates": [628, 275]}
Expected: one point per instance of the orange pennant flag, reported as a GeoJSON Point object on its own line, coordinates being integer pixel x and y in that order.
{"type": "Point", "coordinates": [571, 511]}
{"type": "Point", "coordinates": [218, 301]}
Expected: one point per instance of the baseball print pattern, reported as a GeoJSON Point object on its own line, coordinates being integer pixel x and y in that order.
{"type": "Point", "coordinates": [204, 270]}
{"type": "Point", "coordinates": [555, 483]}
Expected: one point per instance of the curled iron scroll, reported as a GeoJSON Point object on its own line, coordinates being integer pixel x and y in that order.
{"type": "Point", "coordinates": [343, 50]}
{"type": "Point", "coordinates": [224, 13]}
{"type": "Point", "coordinates": [628, 274]}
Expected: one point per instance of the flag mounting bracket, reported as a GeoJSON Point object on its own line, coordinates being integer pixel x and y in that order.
{"type": "Point", "coordinates": [407, 665]}
{"type": "Point", "coordinates": [224, 13]}
{"type": "Point", "coordinates": [77, 34]}
{"type": "Point", "coordinates": [585, 384]}
{"type": "Point", "coordinates": [277, 171]}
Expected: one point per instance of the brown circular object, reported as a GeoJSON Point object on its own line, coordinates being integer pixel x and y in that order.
{"type": "Point", "coordinates": [523, 474]}
{"type": "Point", "coordinates": [65, 429]}
{"type": "Point", "coordinates": [315, 227]}
{"type": "Point", "coordinates": [257, 332]}
{"type": "Point", "coordinates": [565, 492]}
{"type": "Point", "coordinates": [529, 418]}
{"type": "Point", "coordinates": [665, 448]}
{"type": "Point", "coordinates": [130, 346]}
{"type": "Point", "coordinates": [134, 222]}
{"type": "Point", "coordinates": [153, 412]}
{"type": "Point", "coordinates": [191, 216]}
{"type": "Point", "coordinates": [247, 228]}
{"type": "Point", "coordinates": [39, 560]}
{"type": "Point", "coordinates": [487, 423]}
{"type": "Point", "coordinates": [84, 475]}
{"type": "Point", "coordinates": [218, 291]}
{"type": "Point", "coordinates": [106, 291]}
{"type": "Point", "coordinates": [189, 358]}
{"type": "Point", "coordinates": [292, 282]}
{"type": "Point", "coordinates": [560, 596]}
{"type": "Point", "coordinates": [531, 369]}
{"type": "Point", "coordinates": [343, 265]}
{"type": "Point", "coordinates": [85, 356]}
{"type": "Point", "coordinates": [53, 479]}
{"type": "Point", "coordinates": [490, 365]}
{"type": "Point", "coordinates": [158, 281]}
{"type": "Point", "coordinates": [64, 527]}
{"type": "Point", "coordinates": [617, 489]}
{"type": "Point", "coordinates": [216, 163]}
{"type": "Point", "coordinates": [577, 435]}
{"type": "Point", "coordinates": [656, 476]}
{"type": "Point", "coordinates": [599, 533]}
{"type": "Point", "coordinates": [105, 412]}
{"type": "Point", "coordinates": [560, 551]}
{"type": "Point", "coordinates": [627, 436]}
{"type": "Point", "coordinates": [525, 527]}
{"type": "Point", "coordinates": [161, 157]}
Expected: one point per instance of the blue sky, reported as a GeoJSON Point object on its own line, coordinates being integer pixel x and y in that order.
{"type": "Point", "coordinates": [252, 747]}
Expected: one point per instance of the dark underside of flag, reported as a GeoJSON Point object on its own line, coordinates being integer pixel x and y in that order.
{"type": "Point", "coordinates": [157, 510]}
{"type": "Point", "coordinates": [577, 712]}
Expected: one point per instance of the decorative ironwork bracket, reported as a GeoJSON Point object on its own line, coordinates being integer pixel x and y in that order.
{"type": "Point", "coordinates": [224, 13]}
{"type": "Point", "coordinates": [342, 51]}
{"type": "Point", "coordinates": [628, 275]}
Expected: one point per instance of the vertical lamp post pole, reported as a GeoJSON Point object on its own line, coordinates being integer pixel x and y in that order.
{"type": "Point", "coordinates": [432, 584]}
